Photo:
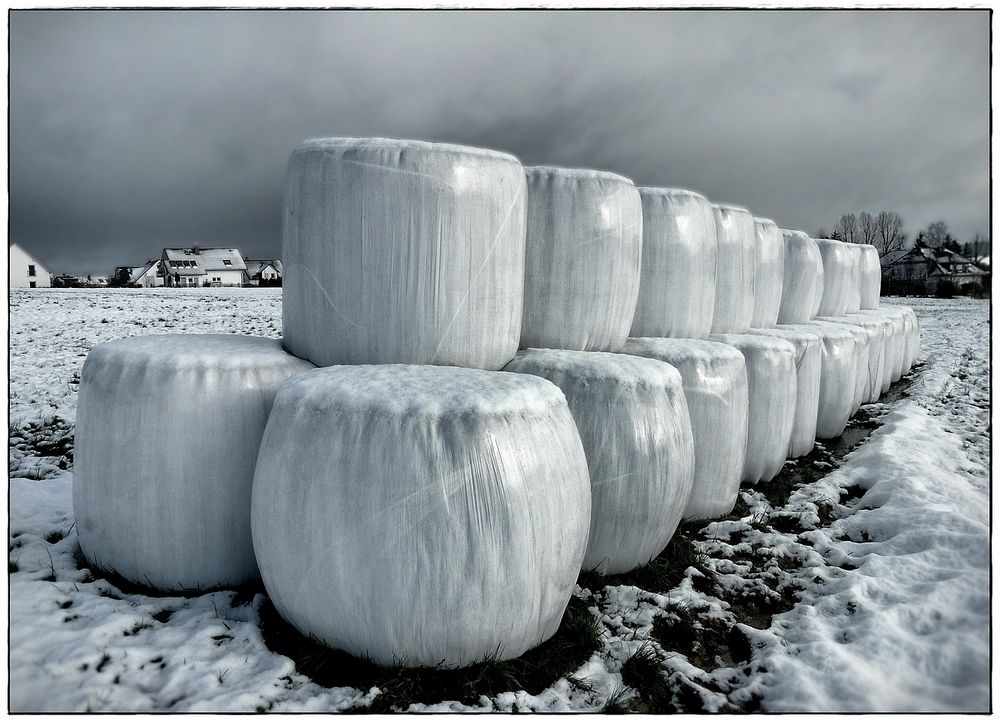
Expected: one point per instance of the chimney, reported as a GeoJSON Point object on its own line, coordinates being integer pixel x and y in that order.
{"type": "Point", "coordinates": [196, 250]}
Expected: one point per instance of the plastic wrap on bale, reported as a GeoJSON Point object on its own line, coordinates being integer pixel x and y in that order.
{"type": "Point", "coordinates": [167, 433]}
{"type": "Point", "coordinates": [854, 254]}
{"type": "Point", "coordinates": [769, 273]}
{"type": "Point", "coordinates": [877, 369]}
{"type": "Point", "coordinates": [633, 420]}
{"type": "Point", "coordinates": [912, 346]}
{"type": "Point", "coordinates": [715, 386]}
{"type": "Point", "coordinates": [582, 257]}
{"type": "Point", "coordinates": [898, 334]}
{"type": "Point", "coordinates": [802, 283]}
{"type": "Point", "coordinates": [421, 515]}
{"type": "Point", "coordinates": [871, 276]}
{"type": "Point", "coordinates": [403, 252]}
{"type": "Point", "coordinates": [859, 374]}
{"type": "Point", "coordinates": [808, 377]}
{"type": "Point", "coordinates": [679, 255]}
{"type": "Point", "coordinates": [842, 360]}
{"type": "Point", "coordinates": [771, 411]}
{"type": "Point", "coordinates": [838, 275]}
{"type": "Point", "coordinates": [734, 280]}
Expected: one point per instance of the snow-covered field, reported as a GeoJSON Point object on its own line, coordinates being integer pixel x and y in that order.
{"type": "Point", "coordinates": [857, 581]}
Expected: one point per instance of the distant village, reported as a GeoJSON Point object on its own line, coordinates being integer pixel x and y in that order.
{"type": "Point", "coordinates": [918, 271]}
{"type": "Point", "coordinates": [176, 267]}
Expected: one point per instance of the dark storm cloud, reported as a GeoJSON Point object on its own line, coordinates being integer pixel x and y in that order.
{"type": "Point", "coordinates": [133, 130]}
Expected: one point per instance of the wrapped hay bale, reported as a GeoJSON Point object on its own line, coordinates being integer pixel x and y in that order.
{"type": "Point", "coordinates": [734, 281]}
{"type": "Point", "coordinates": [844, 360]}
{"type": "Point", "coordinates": [802, 283]}
{"type": "Point", "coordinates": [905, 317]}
{"type": "Point", "coordinates": [167, 433]}
{"type": "Point", "coordinates": [633, 420]}
{"type": "Point", "coordinates": [838, 275]}
{"type": "Point", "coordinates": [769, 273]}
{"type": "Point", "coordinates": [401, 251]}
{"type": "Point", "coordinates": [897, 338]}
{"type": "Point", "coordinates": [715, 386]}
{"type": "Point", "coordinates": [421, 515]}
{"type": "Point", "coordinates": [771, 411]}
{"type": "Point", "coordinates": [877, 371]}
{"type": "Point", "coordinates": [871, 276]}
{"type": "Point", "coordinates": [854, 255]}
{"type": "Point", "coordinates": [808, 378]}
{"type": "Point", "coordinates": [582, 258]}
{"type": "Point", "coordinates": [679, 255]}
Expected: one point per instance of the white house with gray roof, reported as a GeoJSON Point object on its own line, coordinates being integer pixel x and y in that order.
{"type": "Point", "coordinates": [203, 266]}
{"type": "Point", "coordinates": [26, 271]}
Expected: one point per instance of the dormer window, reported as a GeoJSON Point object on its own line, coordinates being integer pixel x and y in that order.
{"type": "Point", "coordinates": [227, 262]}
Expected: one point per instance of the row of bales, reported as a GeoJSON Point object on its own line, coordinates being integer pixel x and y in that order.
{"type": "Point", "coordinates": [491, 378]}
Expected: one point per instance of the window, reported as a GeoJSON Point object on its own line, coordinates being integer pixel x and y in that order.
{"type": "Point", "coordinates": [31, 269]}
{"type": "Point", "coordinates": [227, 262]}
{"type": "Point", "coordinates": [31, 284]}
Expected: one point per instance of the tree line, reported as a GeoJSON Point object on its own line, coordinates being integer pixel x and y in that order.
{"type": "Point", "coordinates": [884, 230]}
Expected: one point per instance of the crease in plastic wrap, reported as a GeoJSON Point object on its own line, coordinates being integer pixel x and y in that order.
{"type": "Point", "coordinates": [402, 252]}
{"type": "Point", "coordinates": [421, 515]}
{"type": "Point", "coordinates": [633, 420]}
{"type": "Point", "coordinates": [715, 385]}
{"type": "Point", "coordinates": [838, 275]}
{"type": "Point", "coordinates": [582, 259]}
{"type": "Point", "coordinates": [734, 276]}
{"type": "Point", "coordinates": [802, 284]}
{"type": "Point", "coordinates": [840, 391]}
{"type": "Point", "coordinates": [855, 256]}
{"type": "Point", "coordinates": [808, 377]}
{"type": "Point", "coordinates": [871, 276]}
{"type": "Point", "coordinates": [769, 273]}
{"type": "Point", "coordinates": [167, 433]}
{"type": "Point", "coordinates": [898, 334]}
{"type": "Point", "coordinates": [771, 382]}
{"type": "Point", "coordinates": [680, 251]}
{"type": "Point", "coordinates": [877, 369]}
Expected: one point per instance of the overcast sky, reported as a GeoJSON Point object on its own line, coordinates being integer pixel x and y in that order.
{"type": "Point", "coordinates": [130, 131]}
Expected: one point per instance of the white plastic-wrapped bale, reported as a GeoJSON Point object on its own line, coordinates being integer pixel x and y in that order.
{"type": "Point", "coordinates": [912, 346]}
{"type": "Point", "coordinates": [808, 378]}
{"type": "Point", "coordinates": [878, 366]}
{"type": "Point", "coordinates": [167, 433]}
{"type": "Point", "coordinates": [636, 431]}
{"type": "Point", "coordinates": [421, 515]}
{"type": "Point", "coordinates": [802, 284]}
{"type": "Point", "coordinates": [769, 273]}
{"type": "Point", "coordinates": [854, 256]}
{"type": "Point", "coordinates": [715, 386]}
{"type": "Point", "coordinates": [840, 391]}
{"type": "Point", "coordinates": [871, 276]}
{"type": "Point", "coordinates": [679, 255]}
{"type": "Point", "coordinates": [734, 280]}
{"type": "Point", "coordinates": [582, 258]}
{"type": "Point", "coordinates": [898, 341]}
{"type": "Point", "coordinates": [771, 411]}
{"type": "Point", "coordinates": [838, 275]}
{"type": "Point", "coordinates": [402, 251]}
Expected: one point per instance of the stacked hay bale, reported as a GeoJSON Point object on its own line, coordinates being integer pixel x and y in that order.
{"type": "Point", "coordinates": [439, 484]}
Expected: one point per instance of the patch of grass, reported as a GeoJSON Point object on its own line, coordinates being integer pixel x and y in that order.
{"type": "Point", "coordinates": [708, 643]}
{"type": "Point", "coordinates": [163, 616]}
{"type": "Point", "coordinates": [620, 701]}
{"type": "Point", "coordinates": [667, 570]}
{"type": "Point", "coordinates": [578, 637]}
{"type": "Point", "coordinates": [136, 628]}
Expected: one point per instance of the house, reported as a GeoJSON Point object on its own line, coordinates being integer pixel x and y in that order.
{"type": "Point", "coordinates": [26, 271]}
{"type": "Point", "coordinates": [149, 275]}
{"type": "Point", "coordinates": [920, 271]}
{"type": "Point", "coordinates": [202, 266]}
{"type": "Point", "coordinates": [262, 272]}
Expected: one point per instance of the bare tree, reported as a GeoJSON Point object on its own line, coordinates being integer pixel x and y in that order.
{"type": "Point", "coordinates": [847, 229]}
{"type": "Point", "coordinates": [867, 228]}
{"type": "Point", "coordinates": [889, 234]}
{"type": "Point", "coordinates": [936, 235]}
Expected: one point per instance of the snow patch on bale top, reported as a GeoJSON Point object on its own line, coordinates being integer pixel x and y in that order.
{"type": "Point", "coordinates": [398, 145]}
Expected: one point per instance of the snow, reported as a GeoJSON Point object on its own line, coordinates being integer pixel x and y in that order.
{"type": "Point", "coordinates": [889, 596]}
